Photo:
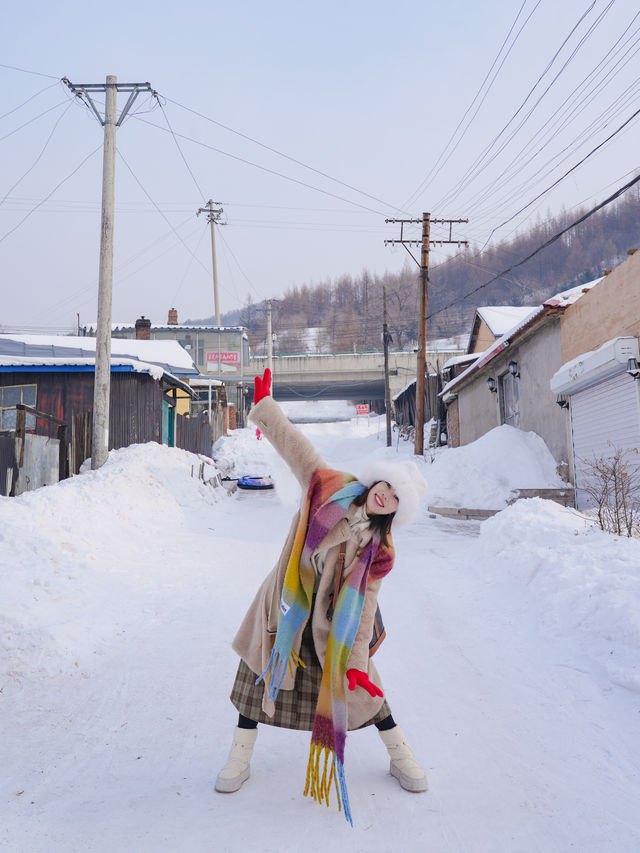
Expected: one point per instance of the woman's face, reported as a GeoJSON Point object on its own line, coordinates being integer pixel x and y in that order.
{"type": "Point", "coordinates": [381, 499]}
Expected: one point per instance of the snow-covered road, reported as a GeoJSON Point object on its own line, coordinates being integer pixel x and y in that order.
{"type": "Point", "coordinates": [115, 714]}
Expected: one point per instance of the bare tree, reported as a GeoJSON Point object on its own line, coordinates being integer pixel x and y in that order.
{"type": "Point", "coordinates": [613, 484]}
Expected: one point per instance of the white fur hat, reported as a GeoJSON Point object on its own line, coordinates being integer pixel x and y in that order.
{"type": "Point", "coordinates": [405, 479]}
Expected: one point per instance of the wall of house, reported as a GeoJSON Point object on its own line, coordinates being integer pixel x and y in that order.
{"type": "Point", "coordinates": [477, 409]}
{"type": "Point", "coordinates": [538, 357]}
{"type": "Point", "coordinates": [135, 409]}
{"type": "Point", "coordinates": [609, 310]}
{"type": "Point", "coordinates": [484, 338]}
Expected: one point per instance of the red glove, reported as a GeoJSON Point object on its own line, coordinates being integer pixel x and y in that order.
{"type": "Point", "coordinates": [357, 677]}
{"type": "Point", "coordinates": [262, 386]}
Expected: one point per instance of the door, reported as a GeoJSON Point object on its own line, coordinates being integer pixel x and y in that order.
{"type": "Point", "coordinates": [509, 400]}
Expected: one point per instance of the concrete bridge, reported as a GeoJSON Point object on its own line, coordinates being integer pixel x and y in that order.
{"type": "Point", "coordinates": [343, 376]}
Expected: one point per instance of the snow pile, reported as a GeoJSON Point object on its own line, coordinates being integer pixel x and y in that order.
{"type": "Point", "coordinates": [487, 472]}
{"type": "Point", "coordinates": [585, 581]}
{"type": "Point", "coordinates": [54, 541]}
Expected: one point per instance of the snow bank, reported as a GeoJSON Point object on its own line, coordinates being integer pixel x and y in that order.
{"type": "Point", "coordinates": [486, 472]}
{"type": "Point", "coordinates": [52, 543]}
{"type": "Point", "coordinates": [585, 581]}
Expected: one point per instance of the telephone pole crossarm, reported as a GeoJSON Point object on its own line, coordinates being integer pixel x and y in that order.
{"type": "Point", "coordinates": [84, 91]}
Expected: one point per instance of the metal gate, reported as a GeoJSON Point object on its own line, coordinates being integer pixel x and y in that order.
{"type": "Point", "coordinates": [604, 417]}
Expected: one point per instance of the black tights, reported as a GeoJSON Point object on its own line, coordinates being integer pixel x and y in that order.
{"type": "Point", "coordinates": [382, 726]}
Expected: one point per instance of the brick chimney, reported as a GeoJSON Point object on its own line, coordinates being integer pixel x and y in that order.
{"type": "Point", "coordinates": [173, 317]}
{"type": "Point", "coordinates": [143, 329]}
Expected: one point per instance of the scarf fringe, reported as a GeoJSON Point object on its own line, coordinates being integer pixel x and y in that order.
{"type": "Point", "coordinates": [319, 785]}
{"type": "Point", "coordinates": [276, 670]}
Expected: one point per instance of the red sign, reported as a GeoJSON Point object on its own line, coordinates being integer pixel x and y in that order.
{"type": "Point", "coordinates": [224, 357]}
{"type": "Point", "coordinates": [362, 409]}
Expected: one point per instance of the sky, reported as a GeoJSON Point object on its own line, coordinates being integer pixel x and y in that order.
{"type": "Point", "coordinates": [311, 125]}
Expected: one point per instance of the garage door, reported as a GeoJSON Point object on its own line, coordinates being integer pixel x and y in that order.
{"type": "Point", "coordinates": [604, 417]}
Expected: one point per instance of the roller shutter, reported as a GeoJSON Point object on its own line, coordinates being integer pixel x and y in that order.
{"type": "Point", "coordinates": [604, 417]}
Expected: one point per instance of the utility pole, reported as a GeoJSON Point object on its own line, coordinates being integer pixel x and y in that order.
{"type": "Point", "coordinates": [424, 244]}
{"type": "Point", "coordinates": [269, 338]}
{"type": "Point", "coordinates": [213, 218]}
{"type": "Point", "coordinates": [102, 377]}
{"type": "Point", "coordinates": [386, 340]}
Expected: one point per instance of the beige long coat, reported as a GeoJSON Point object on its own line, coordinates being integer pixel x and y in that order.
{"type": "Point", "coordinates": [256, 634]}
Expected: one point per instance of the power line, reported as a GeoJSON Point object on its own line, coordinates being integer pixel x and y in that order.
{"type": "Point", "coordinates": [137, 180]}
{"type": "Point", "coordinates": [24, 103]}
{"type": "Point", "coordinates": [36, 161]}
{"type": "Point", "coordinates": [184, 159]}
{"type": "Point", "coordinates": [35, 118]}
{"type": "Point", "coordinates": [26, 71]}
{"type": "Point", "coordinates": [265, 169]}
{"type": "Point", "coordinates": [481, 163]}
{"type": "Point", "coordinates": [545, 245]}
{"type": "Point", "coordinates": [436, 168]}
{"type": "Point", "coordinates": [281, 154]}
{"type": "Point", "coordinates": [64, 180]}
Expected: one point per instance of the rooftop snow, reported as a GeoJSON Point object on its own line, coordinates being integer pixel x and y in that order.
{"type": "Point", "coordinates": [501, 318]}
{"type": "Point", "coordinates": [560, 300]}
{"type": "Point", "coordinates": [168, 355]}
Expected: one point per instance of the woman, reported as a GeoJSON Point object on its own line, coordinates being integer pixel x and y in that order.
{"type": "Point", "coordinates": [304, 642]}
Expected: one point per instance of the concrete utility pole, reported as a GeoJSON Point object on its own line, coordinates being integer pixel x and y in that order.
{"type": "Point", "coordinates": [424, 243]}
{"type": "Point", "coordinates": [386, 340]}
{"type": "Point", "coordinates": [102, 380]}
{"type": "Point", "coordinates": [213, 218]}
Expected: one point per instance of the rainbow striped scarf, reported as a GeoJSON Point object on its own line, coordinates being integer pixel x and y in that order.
{"type": "Point", "coordinates": [329, 496]}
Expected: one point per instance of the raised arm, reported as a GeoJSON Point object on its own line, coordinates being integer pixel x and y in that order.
{"type": "Point", "coordinates": [296, 450]}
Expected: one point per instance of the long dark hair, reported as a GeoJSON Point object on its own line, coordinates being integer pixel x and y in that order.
{"type": "Point", "coordinates": [380, 524]}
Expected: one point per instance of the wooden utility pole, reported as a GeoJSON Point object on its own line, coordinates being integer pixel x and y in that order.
{"type": "Point", "coordinates": [102, 377]}
{"type": "Point", "coordinates": [424, 244]}
{"type": "Point", "coordinates": [386, 340]}
{"type": "Point", "coordinates": [213, 218]}
{"type": "Point", "coordinates": [269, 339]}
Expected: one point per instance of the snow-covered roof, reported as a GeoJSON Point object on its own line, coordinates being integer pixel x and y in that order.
{"type": "Point", "coordinates": [167, 327]}
{"type": "Point", "coordinates": [500, 318]}
{"type": "Point", "coordinates": [128, 364]}
{"type": "Point", "coordinates": [559, 301]}
{"type": "Point", "coordinates": [168, 355]}
{"type": "Point", "coordinates": [461, 359]}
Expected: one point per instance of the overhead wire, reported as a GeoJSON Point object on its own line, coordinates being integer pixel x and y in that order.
{"type": "Point", "coordinates": [35, 118]}
{"type": "Point", "coordinates": [137, 180]}
{"type": "Point", "coordinates": [437, 167]}
{"type": "Point", "coordinates": [27, 71]}
{"type": "Point", "coordinates": [63, 181]}
{"type": "Point", "coordinates": [24, 103]}
{"type": "Point", "coordinates": [544, 245]}
{"type": "Point", "coordinates": [37, 160]}
{"type": "Point", "coordinates": [551, 130]}
{"type": "Point", "coordinates": [184, 159]}
{"type": "Point", "coordinates": [481, 162]}
{"type": "Point", "coordinates": [265, 168]}
{"type": "Point", "coordinates": [281, 154]}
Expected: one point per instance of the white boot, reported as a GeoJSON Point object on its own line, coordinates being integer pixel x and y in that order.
{"type": "Point", "coordinates": [236, 770]}
{"type": "Point", "coordinates": [403, 762]}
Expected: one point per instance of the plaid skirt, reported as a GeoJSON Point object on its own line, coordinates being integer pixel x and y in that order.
{"type": "Point", "coordinates": [295, 709]}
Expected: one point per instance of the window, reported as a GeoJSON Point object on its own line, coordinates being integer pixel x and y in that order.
{"type": "Point", "coordinates": [10, 396]}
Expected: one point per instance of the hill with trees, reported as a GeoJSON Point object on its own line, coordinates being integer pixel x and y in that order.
{"type": "Point", "coordinates": [346, 314]}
